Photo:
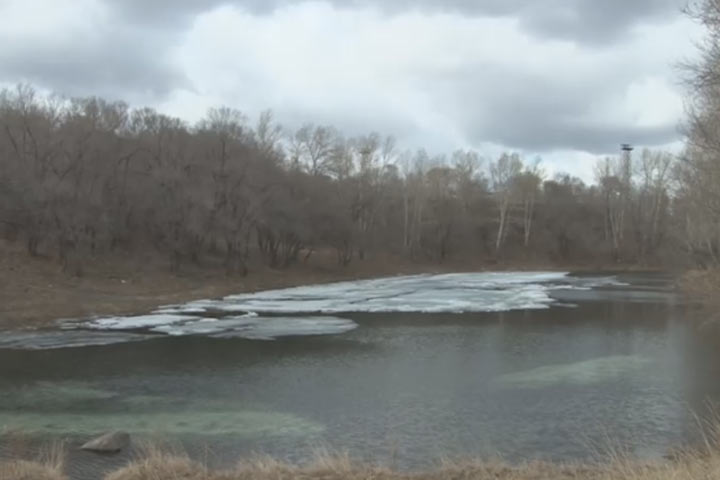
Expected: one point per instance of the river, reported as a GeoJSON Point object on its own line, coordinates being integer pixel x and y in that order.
{"type": "Point", "coordinates": [399, 371]}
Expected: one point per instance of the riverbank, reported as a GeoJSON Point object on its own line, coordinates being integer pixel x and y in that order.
{"type": "Point", "coordinates": [35, 292]}
{"type": "Point", "coordinates": [702, 286]}
{"type": "Point", "coordinates": [158, 465]}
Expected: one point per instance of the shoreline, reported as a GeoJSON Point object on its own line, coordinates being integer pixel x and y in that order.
{"type": "Point", "coordinates": [36, 293]}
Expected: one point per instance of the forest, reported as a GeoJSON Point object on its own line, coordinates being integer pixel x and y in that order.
{"type": "Point", "coordinates": [85, 177]}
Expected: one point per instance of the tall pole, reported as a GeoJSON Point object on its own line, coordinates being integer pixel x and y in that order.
{"type": "Point", "coordinates": [626, 180]}
{"type": "Point", "coordinates": [626, 163]}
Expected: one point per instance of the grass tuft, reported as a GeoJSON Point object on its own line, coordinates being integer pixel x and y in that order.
{"type": "Point", "coordinates": [49, 464]}
{"type": "Point", "coordinates": [156, 463]}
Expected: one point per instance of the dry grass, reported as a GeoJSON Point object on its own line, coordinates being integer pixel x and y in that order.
{"type": "Point", "coordinates": [26, 470]}
{"type": "Point", "coordinates": [161, 467]}
{"type": "Point", "coordinates": [703, 285]}
{"type": "Point", "coordinates": [178, 467]}
{"type": "Point", "coordinates": [703, 464]}
{"type": "Point", "coordinates": [49, 465]}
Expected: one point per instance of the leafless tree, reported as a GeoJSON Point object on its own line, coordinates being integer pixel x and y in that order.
{"type": "Point", "coordinates": [85, 177]}
{"type": "Point", "coordinates": [504, 173]}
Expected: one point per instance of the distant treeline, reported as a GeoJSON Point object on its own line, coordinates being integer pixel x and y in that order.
{"type": "Point", "coordinates": [84, 177]}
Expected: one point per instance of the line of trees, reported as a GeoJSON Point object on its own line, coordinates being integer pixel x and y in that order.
{"type": "Point", "coordinates": [698, 171]}
{"type": "Point", "coordinates": [85, 177]}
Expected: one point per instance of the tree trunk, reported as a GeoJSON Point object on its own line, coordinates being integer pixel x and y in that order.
{"type": "Point", "coordinates": [501, 226]}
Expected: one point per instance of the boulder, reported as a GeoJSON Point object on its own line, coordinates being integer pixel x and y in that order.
{"type": "Point", "coordinates": [111, 442]}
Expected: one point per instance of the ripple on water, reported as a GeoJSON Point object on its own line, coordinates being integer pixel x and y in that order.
{"type": "Point", "coordinates": [244, 424]}
{"type": "Point", "coordinates": [71, 408]}
{"type": "Point", "coordinates": [54, 339]}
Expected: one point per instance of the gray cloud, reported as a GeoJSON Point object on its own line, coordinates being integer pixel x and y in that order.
{"type": "Point", "coordinates": [600, 139]}
{"type": "Point", "coordinates": [130, 59]}
{"type": "Point", "coordinates": [98, 69]}
{"type": "Point", "coordinates": [507, 106]}
{"type": "Point", "coordinates": [585, 21]}
{"type": "Point", "coordinates": [114, 59]}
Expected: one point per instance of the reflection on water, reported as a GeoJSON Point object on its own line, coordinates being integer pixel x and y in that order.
{"type": "Point", "coordinates": [624, 363]}
{"type": "Point", "coordinates": [245, 424]}
{"type": "Point", "coordinates": [587, 372]}
{"type": "Point", "coordinates": [72, 407]}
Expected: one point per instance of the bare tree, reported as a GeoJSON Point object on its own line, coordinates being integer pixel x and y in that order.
{"type": "Point", "coordinates": [611, 175]}
{"type": "Point", "coordinates": [82, 178]}
{"type": "Point", "coordinates": [269, 134]}
{"type": "Point", "coordinates": [315, 145]}
{"type": "Point", "coordinates": [651, 199]}
{"type": "Point", "coordinates": [528, 185]}
{"type": "Point", "coordinates": [503, 174]}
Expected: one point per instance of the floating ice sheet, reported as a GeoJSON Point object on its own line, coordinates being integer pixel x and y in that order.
{"type": "Point", "coordinates": [456, 293]}
{"type": "Point", "coordinates": [138, 321]}
{"type": "Point", "coordinates": [467, 292]}
{"type": "Point", "coordinates": [259, 328]}
{"type": "Point", "coordinates": [305, 310]}
{"type": "Point", "coordinates": [473, 292]}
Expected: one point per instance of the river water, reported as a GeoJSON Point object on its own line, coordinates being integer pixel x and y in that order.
{"type": "Point", "coordinates": [400, 371]}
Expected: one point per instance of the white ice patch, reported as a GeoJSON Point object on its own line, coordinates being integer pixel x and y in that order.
{"type": "Point", "coordinates": [274, 327]}
{"type": "Point", "coordinates": [458, 293]}
{"type": "Point", "coordinates": [589, 283]}
{"type": "Point", "coordinates": [206, 326]}
{"type": "Point", "coordinates": [259, 328]}
{"type": "Point", "coordinates": [294, 311]}
{"type": "Point", "coordinates": [249, 326]}
{"type": "Point", "coordinates": [455, 293]}
{"type": "Point", "coordinates": [138, 322]}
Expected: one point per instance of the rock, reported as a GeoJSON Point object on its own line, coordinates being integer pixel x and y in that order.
{"type": "Point", "coordinates": [111, 442]}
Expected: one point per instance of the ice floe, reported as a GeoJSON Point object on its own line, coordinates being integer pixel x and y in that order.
{"type": "Point", "coordinates": [273, 327]}
{"type": "Point", "coordinates": [313, 310]}
{"type": "Point", "coordinates": [449, 293]}
{"type": "Point", "coordinates": [468, 292]}
{"type": "Point", "coordinates": [139, 321]}
{"type": "Point", "coordinates": [259, 328]}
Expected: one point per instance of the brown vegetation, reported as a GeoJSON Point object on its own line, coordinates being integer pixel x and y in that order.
{"type": "Point", "coordinates": [698, 171]}
{"type": "Point", "coordinates": [24, 470]}
{"type": "Point", "coordinates": [84, 178]}
{"type": "Point", "coordinates": [702, 285]}
{"type": "Point", "coordinates": [341, 467]}
{"type": "Point", "coordinates": [157, 465]}
{"type": "Point", "coordinates": [135, 209]}
{"type": "Point", "coordinates": [49, 465]}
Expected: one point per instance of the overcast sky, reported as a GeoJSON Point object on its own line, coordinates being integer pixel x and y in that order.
{"type": "Point", "coordinates": [568, 80]}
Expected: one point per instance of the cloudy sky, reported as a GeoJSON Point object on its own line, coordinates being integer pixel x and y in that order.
{"type": "Point", "coordinates": [568, 80]}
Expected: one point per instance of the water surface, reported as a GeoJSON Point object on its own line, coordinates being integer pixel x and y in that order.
{"type": "Point", "coordinates": [541, 366]}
